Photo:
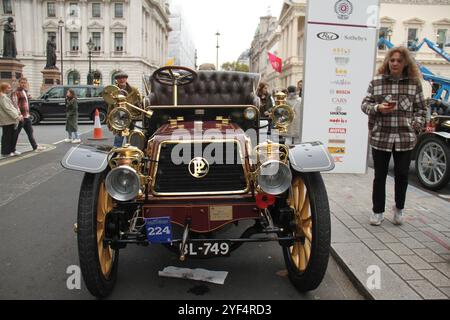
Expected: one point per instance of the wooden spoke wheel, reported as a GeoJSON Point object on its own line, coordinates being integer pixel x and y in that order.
{"type": "Point", "coordinates": [307, 258]}
{"type": "Point", "coordinates": [299, 201]}
{"type": "Point", "coordinates": [98, 262]}
{"type": "Point", "coordinates": [105, 253]}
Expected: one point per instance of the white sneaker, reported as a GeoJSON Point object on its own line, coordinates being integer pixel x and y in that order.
{"type": "Point", "coordinates": [17, 153]}
{"type": "Point", "coordinates": [12, 154]}
{"type": "Point", "coordinates": [398, 216]}
{"type": "Point", "coordinates": [76, 141]}
{"type": "Point", "coordinates": [67, 140]}
{"type": "Point", "coordinates": [376, 219]}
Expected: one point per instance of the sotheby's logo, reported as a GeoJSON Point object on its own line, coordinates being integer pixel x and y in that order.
{"type": "Point", "coordinates": [329, 36]}
{"type": "Point", "coordinates": [344, 9]}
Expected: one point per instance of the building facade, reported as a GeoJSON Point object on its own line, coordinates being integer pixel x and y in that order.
{"type": "Point", "coordinates": [258, 51]}
{"type": "Point", "coordinates": [402, 22]}
{"type": "Point", "coordinates": [181, 45]}
{"type": "Point", "coordinates": [128, 35]}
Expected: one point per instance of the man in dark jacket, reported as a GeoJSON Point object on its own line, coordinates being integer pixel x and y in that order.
{"type": "Point", "coordinates": [133, 97]}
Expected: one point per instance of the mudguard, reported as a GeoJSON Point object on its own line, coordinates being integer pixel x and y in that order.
{"type": "Point", "coordinates": [87, 158]}
{"type": "Point", "coordinates": [443, 134]}
{"type": "Point", "coordinates": [310, 157]}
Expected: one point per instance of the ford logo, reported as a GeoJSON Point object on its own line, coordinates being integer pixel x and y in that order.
{"type": "Point", "coordinates": [328, 36]}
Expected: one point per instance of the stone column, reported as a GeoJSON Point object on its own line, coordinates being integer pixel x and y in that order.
{"type": "Point", "coordinates": [107, 23]}
{"type": "Point", "coordinates": [295, 37]}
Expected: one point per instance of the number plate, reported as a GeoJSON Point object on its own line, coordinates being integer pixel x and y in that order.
{"type": "Point", "coordinates": [159, 230]}
{"type": "Point", "coordinates": [207, 249]}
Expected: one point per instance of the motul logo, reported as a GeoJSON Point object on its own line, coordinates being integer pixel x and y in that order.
{"type": "Point", "coordinates": [337, 130]}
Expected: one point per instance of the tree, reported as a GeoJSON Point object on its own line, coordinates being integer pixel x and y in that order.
{"type": "Point", "coordinates": [235, 66]}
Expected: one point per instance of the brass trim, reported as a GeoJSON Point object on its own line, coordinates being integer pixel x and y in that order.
{"type": "Point", "coordinates": [128, 121]}
{"type": "Point", "coordinates": [283, 127]}
{"type": "Point", "coordinates": [138, 133]}
{"type": "Point", "coordinates": [163, 194]}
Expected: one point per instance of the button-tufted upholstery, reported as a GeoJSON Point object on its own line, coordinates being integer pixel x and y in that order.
{"type": "Point", "coordinates": [210, 88]}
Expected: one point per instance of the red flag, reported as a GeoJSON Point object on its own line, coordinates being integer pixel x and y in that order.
{"type": "Point", "coordinates": [276, 62]}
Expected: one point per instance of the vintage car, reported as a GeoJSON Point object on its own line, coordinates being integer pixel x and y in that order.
{"type": "Point", "coordinates": [432, 152]}
{"type": "Point", "coordinates": [195, 167]}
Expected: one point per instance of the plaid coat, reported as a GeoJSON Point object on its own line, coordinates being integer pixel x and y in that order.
{"type": "Point", "coordinates": [397, 128]}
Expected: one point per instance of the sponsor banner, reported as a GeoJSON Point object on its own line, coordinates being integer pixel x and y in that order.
{"type": "Point", "coordinates": [340, 53]}
{"type": "Point", "coordinates": [351, 12]}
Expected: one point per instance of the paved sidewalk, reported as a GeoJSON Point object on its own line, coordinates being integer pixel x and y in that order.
{"type": "Point", "coordinates": [413, 259]}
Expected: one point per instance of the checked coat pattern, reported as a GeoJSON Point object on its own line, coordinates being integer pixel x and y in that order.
{"type": "Point", "coordinates": [397, 129]}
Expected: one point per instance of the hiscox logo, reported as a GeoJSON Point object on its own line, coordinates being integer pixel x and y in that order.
{"type": "Point", "coordinates": [329, 36]}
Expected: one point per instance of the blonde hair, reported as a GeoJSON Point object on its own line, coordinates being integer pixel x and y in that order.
{"type": "Point", "coordinates": [4, 86]}
{"type": "Point", "coordinates": [411, 70]}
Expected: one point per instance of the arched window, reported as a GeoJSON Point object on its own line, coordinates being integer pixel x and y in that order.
{"type": "Point", "coordinates": [97, 75]}
{"type": "Point", "coordinates": [113, 76]}
{"type": "Point", "coordinates": [73, 78]}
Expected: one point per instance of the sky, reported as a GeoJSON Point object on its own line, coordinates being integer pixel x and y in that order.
{"type": "Point", "coordinates": [236, 21]}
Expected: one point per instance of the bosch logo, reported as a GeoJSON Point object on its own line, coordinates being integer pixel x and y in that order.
{"type": "Point", "coordinates": [329, 36]}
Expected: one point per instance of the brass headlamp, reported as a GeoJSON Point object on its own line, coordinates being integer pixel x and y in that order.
{"type": "Point", "coordinates": [282, 114]}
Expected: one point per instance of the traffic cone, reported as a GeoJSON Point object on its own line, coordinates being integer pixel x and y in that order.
{"type": "Point", "coordinates": [98, 131]}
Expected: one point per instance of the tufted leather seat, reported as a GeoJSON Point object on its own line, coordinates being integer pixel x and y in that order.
{"type": "Point", "coordinates": [210, 88]}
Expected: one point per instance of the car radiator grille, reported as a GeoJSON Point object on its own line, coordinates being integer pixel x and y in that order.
{"type": "Point", "coordinates": [226, 174]}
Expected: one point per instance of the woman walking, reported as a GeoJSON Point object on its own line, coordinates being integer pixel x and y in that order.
{"type": "Point", "coordinates": [72, 117]}
{"type": "Point", "coordinates": [397, 110]}
{"type": "Point", "coordinates": [9, 119]}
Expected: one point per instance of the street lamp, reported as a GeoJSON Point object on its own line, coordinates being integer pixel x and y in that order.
{"type": "Point", "coordinates": [217, 47]}
{"type": "Point", "coordinates": [60, 29]}
{"type": "Point", "coordinates": [91, 45]}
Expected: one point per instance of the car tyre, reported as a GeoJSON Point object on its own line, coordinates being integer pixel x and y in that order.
{"type": "Point", "coordinates": [35, 117]}
{"type": "Point", "coordinates": [307, 260]}
{"type": "Point", "coordinates": [98, 263]}
{"type": "Point", "coordinates": [433, 163]}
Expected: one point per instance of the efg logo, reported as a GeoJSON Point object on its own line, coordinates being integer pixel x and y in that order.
{"type": "Point", "coordinates": [329, 36]}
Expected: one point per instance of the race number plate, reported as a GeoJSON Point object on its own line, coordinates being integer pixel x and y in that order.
{"type": "Point", "coordinates": [159, 230]}
{"type": "Point", "coordinates": [207, 249]}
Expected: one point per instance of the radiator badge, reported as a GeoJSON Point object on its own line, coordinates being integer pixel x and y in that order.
{"type": "Point", "coordinates": [199, 167]}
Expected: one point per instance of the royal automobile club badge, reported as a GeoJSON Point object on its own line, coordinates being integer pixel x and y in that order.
{"type": "Point", "coordinates": [344, 9]}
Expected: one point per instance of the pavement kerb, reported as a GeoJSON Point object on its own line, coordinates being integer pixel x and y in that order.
{"type": "Point", "coordinates": [26, 154]}
{"type": "Point", "coordinates": [353, 278]}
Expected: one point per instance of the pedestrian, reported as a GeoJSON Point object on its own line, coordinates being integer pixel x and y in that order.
{"type": "Point", "coordinates": [300, 88]}
{"type": "Point", "coordinates": [397, 110]}
{"type": "Point", "coordinates": [9, 120]}
{"type": "Point", "coordinates": [292, 136]}
{"type": "Point", "coordinates": [267, 101]}
{"type": "Point", "coordinates": [132, 95]}
{"type": "Point", "coordinates": [21, 99]}
{"type": "Point", "coordinates": [72, 117]}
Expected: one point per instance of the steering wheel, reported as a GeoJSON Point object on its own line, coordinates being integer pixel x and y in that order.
{"type": "Point", "coordinates": [174, 75]}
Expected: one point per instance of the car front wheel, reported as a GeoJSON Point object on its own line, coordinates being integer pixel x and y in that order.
{"type": "Point", "coordinates": [98, 261]}
{"type": "Point", "coordinates": [35, 117]}
{"type": "Point", "coordinates": [307, 259]}
{"type": "Point", "coordinates": [433, 163]}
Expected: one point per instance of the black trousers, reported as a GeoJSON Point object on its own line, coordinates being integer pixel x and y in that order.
{"type": "Point", "coordinates": [381, 159]}
{"type": "Point", "coordinates": [8, 139]}
{"type": "Point", "coordinates": [26, 125]}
